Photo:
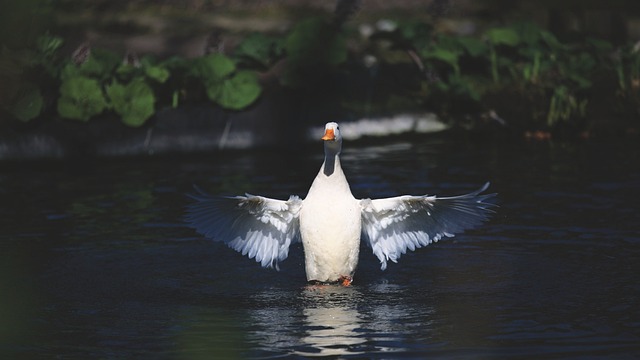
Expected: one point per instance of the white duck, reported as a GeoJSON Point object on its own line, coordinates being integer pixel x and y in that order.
{"type": "Point", "coordinates": [330, 221]}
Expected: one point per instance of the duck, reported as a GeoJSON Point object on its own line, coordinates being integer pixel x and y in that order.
{"type": "Point", "coordinates": [331, 223]}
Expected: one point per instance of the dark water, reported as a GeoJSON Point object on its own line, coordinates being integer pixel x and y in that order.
{"type": "Point", "coordinates": [95, 262]}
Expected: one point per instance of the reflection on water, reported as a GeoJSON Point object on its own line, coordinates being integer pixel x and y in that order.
{"type": "Point", "coordinates": [311, 321]}
{"type": "Point", "coordinates": [331, 331]}
{"type": "Point", "coordinates": [96, 263]}
{"type": "Point", "coordinates": [331, 321]}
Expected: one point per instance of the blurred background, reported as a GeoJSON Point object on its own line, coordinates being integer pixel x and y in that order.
{"type": "Point", "coordinates": [143, 77]}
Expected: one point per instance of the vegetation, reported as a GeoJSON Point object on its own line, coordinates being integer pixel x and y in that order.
{"type": "Point", "coordinates": [512, 71]}
{"type": "Point", "coordinates": [554, 81]}
{"type": "Point", "coordinates": [97, 80]}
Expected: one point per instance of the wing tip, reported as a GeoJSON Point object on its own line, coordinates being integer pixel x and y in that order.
{"type": "Point", "coordinates": [480, 198]}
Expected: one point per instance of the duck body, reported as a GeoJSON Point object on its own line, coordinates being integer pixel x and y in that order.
{"type": "Point", "coordinates": [330, 222]}
{"type": "Point", "coordinates": [330, 227]}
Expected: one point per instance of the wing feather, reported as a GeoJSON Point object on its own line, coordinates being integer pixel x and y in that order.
{"type": "Point", "coordinates": [255, 226]}
{"type": "Point", "coordinates": [393, 225]}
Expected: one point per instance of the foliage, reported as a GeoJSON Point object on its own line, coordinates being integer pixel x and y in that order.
{"type": "Point", "coordinates": [81, 98]}
{"type": "Point", "coordinates": [224, 85]}
{"type": "Point", "coordinates": [259, 50]}
{"type": "Point", "coordinates": [134, 102]}
{"type": "Point", "coordinates": [28, 102]}
{"type": "Point", "coordinates": [500, 37]}
{"type": "Point", "coordinates": [556, 81]}
{"type": "Point", "coordinates": [627, 68]}
{"type": "Point", "coordinates": [103, 81]}
{"type": "Point", "coordinates": [100, 66]}
{"type": "Point", "coordinates": [20, 93]}
{"type": "Point", "coordinates": [564, 105]}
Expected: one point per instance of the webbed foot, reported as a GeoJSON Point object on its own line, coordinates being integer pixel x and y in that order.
{"type": "Point", "coordinates": [345, 280]}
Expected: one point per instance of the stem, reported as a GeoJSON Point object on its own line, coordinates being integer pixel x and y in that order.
{"type": "Point", "coordinates": [536, 67]}
{"type": "Point", "coordinates": [494, 65]}
{"type": "Point", "coordinates": [175, 99]}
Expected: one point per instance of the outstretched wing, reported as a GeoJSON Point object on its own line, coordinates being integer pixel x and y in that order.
{"type": "Point", "coordinates": [256, 226]}
{"type": "Point", "coordinates": [393, 225]}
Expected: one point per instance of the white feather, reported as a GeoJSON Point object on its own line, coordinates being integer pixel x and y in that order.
{"type": "Point", "coordinates": [330, 221]}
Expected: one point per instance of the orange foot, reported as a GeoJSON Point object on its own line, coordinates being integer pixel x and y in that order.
{"type": "Point", "coordinates": [345, 280]}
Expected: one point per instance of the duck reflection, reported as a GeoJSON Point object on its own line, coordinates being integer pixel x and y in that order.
{"type": "Point", "coordinates": [332, 323]}
{"type": "Point", "coordinates": [335, 320]}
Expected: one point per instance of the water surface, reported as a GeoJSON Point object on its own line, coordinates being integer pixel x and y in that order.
{"type": "Point", "coordinates": [96, 263]}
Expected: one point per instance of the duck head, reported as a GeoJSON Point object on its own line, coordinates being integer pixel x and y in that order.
{"type": "Point", "coordinates": [332, 146]}
{"type": "Point", "coordinates": [332, 139]}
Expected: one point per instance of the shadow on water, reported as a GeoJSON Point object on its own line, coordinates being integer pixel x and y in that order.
{"type": "Point", "coordinates": [95, 261]}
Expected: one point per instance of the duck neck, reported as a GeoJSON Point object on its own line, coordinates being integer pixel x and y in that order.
{"type": "Point", "coordinates": [330, 164]}
{"type": "Point", "coordinates": [331, 159]}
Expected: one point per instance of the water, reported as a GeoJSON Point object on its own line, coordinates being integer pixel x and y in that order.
{"type": "Point", "coordinates": [95, 262]}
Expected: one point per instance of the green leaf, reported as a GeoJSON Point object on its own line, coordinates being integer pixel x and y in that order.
{"type": "Point", "coordinates": [237, 92]}
{"type": "Point", "coordinates": [229, 89]}
{"type": "Point", "coordinates": [67, 108]}
{"type": "Point", "coordinates": [157, 73]}
{"type": "Point", "coordinates": [175, 99]}
{"type": "Point", "coordinates": [447, 56]}
{"type": "Point", "coordinates": [134, 102]}
{"type": "Point", "coordinates": [473, 46]}
{"type": "Point", "coordinates": [48, 44]}
{"type": "Point", "coordinates": [551, 40]}
{"type": "Point", "coordinates": [69, 71]}
{"type": "Point", "coordinates": [503, 36]}
{"type": "Point", "coordinates": [80, 98]}
{"type": "Point", "coordinates": [259, 48]}
{"type": "Point", "coordinates": [105, 60]}
{"type": "Point", "coordinates": [214, 68]}
{"type": "Point", "coordinates": [28, 104]}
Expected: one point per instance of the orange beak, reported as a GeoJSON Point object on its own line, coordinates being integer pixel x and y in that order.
{"type": "Point", "coordinates": [329, 135]}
